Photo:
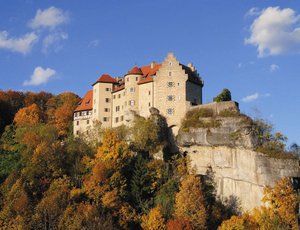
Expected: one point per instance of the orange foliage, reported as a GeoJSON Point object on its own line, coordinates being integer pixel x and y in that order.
{"type": "Point", "coordinates": [63, 118]}
{"type": "Point", "coordinates": [30, 115]}
{"type": "Point", "coordinates": [179, 224]}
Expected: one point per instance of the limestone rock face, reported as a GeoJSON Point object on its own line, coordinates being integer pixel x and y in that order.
{"type": "Point", "coordinates": [232, 131]}
{"type": "Point", "coordinates": [240, 172]}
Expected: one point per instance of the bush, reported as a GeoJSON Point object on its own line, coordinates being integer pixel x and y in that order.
{"type": "Point", "coordinates": [192, 119]}
{"type": "Point", "coordinates": [225, 95]}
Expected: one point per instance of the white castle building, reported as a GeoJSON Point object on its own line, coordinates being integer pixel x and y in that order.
{"type": "Point", "coordinates": [170, 86]}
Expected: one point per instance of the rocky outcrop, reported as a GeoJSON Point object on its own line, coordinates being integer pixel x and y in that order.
{"type": "Point", "coordinates": [240, 172]}
{"type": "Point", "coordinates": [227, 146]}
{"type": "Point", "coordinates": [231, 131]}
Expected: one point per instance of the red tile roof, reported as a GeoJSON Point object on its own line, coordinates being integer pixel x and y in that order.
{"type": "Point", "coordinates": [106, 78]}
{"type": "Point", "coordinates": [135, 70]}
{"type": "Point", "coordinates": [148, 71]}
{"type": "Point", "coordinates": [86, 103]}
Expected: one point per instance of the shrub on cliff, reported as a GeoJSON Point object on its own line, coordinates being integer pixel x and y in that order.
{"type": "Point", "coordinates": [225, 95]}
{"type": "Point", "coordinates": [193, 119]}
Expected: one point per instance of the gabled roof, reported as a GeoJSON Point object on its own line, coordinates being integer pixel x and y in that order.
{"type": "Point", "coordinates": [106, 78]}
{"type": "Point", "coordinates": [86, 103]}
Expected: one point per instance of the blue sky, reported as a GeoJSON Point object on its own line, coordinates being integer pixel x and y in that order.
{"type": "Point", "coordinates": [250, 47]}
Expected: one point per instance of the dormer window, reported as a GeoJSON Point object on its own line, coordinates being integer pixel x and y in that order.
{"type": "Point", "coordinates": [170, 74]}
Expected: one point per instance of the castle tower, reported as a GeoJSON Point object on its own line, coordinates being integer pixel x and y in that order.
{"type": "Point", "coordinates": [102, 100]}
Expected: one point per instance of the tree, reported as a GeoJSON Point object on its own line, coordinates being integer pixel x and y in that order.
{"type": "Point", "coordinates": [279, 211]}
{"type": "Point", "coordinates": [165, 197]}
{"type": "Point", "coordinates": [225, 95]}
{"type": "Point", "coordinates": [141, 185]}
{"type": "Point", "coordinates": [30, 115]}
{"type": "Point", "coordinates": [189, 203]}
{"type": "Point", "coordinates": [179, 224]}
{"type": "Point", "coordinates": [53, 204]}
{"type": "Point", "coordinates": [154, 220]}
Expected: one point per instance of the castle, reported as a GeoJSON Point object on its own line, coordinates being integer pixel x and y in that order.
{"type": "Point", "coordinates": [170, 86]}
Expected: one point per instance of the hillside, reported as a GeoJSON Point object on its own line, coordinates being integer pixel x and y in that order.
{"type": "Point", "coordinates": [140, 176]}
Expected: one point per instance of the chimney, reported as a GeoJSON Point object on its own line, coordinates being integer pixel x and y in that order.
{"type": "Point", "coordinates": [152, 64]}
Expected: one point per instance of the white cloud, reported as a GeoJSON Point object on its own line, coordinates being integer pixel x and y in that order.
{"type": "Point", "coordinates": [273, 68]}
{"type": "Point", "coordinates": [94, 43]}
{"type": "Point", "coordinates": [255, 96]}
{"type": "Point", "coordinates": [22, 44]}
{"type": "Point", "coordinates": [54, 39]}
{"type": "Point", "coordinates": [49, 18]}
{"type": "Point", "coordinates": [253, 12]}
{"type": "Point", "coordinates": [240, 65]}
{"type": "Point", "coordinates": [40, 76]}
{"type": "Point", "coordinates": [275, 32]}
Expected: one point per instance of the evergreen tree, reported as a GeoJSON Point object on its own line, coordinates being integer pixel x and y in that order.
{"type": "Point", "coordinates": [141, 185]}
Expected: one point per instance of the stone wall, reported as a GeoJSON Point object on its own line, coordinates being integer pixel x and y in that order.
{"type": "Point", "coordinates": [239, 172]}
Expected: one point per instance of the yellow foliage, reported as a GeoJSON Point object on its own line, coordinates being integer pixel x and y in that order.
{"type": "Point", "coordinates": [279, 211]}
{"type": "Point", "coordinates": [189, 204]}
{"type": "Point", "coordinates": [154, 220]}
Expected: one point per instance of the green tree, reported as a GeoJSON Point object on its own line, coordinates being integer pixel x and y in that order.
{"type": "Point", "coordinates": [225, 95]}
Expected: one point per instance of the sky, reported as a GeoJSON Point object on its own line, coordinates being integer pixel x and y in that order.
{"type": "Point", "coordinates": [250, 47]}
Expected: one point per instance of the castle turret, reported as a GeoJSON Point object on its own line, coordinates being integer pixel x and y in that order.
{"type": "Point", "coordinates": [102, 99]}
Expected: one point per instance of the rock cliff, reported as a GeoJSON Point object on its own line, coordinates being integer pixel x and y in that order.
{"type": "Point", "coordinates": [227, 145]}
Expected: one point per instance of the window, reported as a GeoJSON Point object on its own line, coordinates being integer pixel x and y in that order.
{"type": "Point", "coordinates": [178, 84]}
{"type": "Point", "coordinates": [105, 119]}
{"type": "Point", "coordinates": [114, 96]}
{"type": "Point", "coordinates": [84, 113]}
{"type": "Point", "coordinates": [77, 123]}
{"type": "Point", "coordinates": [107, 100]}
{"type": "Point", "coordinates": [107, 89]}
{"type": "Point", "coordinates": [77, 132]}
{"type": "Point", "coordinates": [131, 102]}
{"type": "Point", "coordinates": [136, 78]}
{"type": "Point", "coordinates": [87, 122]}
{"type": "Point", "coordinates": [106, 109]}
{"type": "Point", "coordinates": [94, 101]}
{"type": "Point", "coordinates": [170, 63]}
{"type": "Point", "coordinates": [75, 114]}
{"type": "Point", "coordinates": [170, 74]}
{"type": "Point", "coordinates": [131, 90]}
{"type": "Point", "coordinates": [124, 93]}
{"type": "Point", "coordinates": [119, 96]}
{"type": "Point", "coordinates": [170, 84]}
{"type": "Point", "coordinates": [117, 119]}
{"type": "Point", "coordinates": [170, 111]}
{"type": "Point", "coordinates": [90, 112]}
{"type": "Point", "coordinates": [94, 110]}
{"type": "Point", "coordinates": [170, 97]}
{"type": "Point", "coordinates": [128, 79]}
{"type": "Point", "coordinates": [149, 104]}
{"type": "Point", "coordinates": [149, 93]}
{"type": "Point", "coordinates": [125, 103]}
{"type": "Point", "coordinates": [122, 118]}
{"type": "Point", "coordinates": [117, 108]}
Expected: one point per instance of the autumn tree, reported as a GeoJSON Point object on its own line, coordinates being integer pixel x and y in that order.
{"type": "Point", "coordinates": [51, 207]}
{"type": "Point", "coordinates": [179, 224]}
{"type": "Point", "coordinates": [278, 212]}
{"type": "Point", "coordinates": [154, 220]}
{"type": "Point", "coordinates": [30, 115]}
{"type": "Point", "coordinates": [189, 203]}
